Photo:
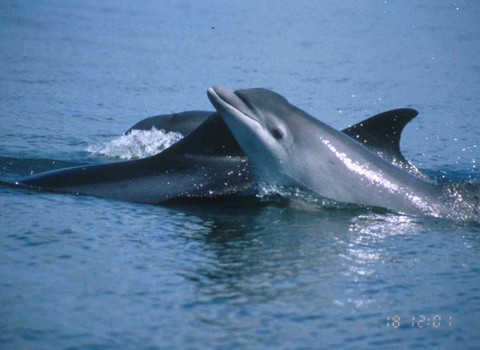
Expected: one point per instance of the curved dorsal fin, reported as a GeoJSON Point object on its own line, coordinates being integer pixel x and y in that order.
{"type": "Point", "coordinates": [212, 138]}
{"type": "Point", "coordinates": [381, 134]}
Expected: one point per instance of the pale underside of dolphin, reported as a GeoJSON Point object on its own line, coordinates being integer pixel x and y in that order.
{"type": "Point", "coordinates": [207, 163]}
{"type": "Point", "coordinates": [288, 147]}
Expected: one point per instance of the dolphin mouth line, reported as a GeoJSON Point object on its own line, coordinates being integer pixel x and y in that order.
{"type": "Point", "coordinates": [228, 106]}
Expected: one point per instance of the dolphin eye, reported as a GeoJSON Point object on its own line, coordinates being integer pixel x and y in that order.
{"type": "Point", "coordinates": [277, 134]}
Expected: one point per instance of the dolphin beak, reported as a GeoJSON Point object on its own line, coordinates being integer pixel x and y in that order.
{"type": "Point", "coordinates": [219, 96]}
{"type": "Point", "coordinates": [227, 102]}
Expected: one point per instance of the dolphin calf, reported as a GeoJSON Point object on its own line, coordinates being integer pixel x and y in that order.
{"type": "Point", "coordinates": [287, 146]}
{"type": "Point", "coordinates": [207, 163]}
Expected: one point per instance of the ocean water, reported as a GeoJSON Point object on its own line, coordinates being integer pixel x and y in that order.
{"type": "Point", "coordinates": [78, 272]}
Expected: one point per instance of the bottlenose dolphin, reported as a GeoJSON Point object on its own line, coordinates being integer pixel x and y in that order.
{"type": "Point", "coordinates": [207, 163]}
{"type": "Point", "coordinates": [287, 146]}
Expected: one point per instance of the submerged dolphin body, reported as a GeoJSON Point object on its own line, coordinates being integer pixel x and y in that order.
{"type": "Point", "coordinates": [207, 163]}
{"type": "Point", "coordinates": [287, 146]}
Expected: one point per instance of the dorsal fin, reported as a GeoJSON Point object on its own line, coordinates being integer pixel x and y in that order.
{"type": "Point", "coordinates": [212, 138]}
{"type": "Point", "coordinates": [381, 134]}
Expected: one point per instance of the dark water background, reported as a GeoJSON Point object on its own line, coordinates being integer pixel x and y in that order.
{"type": "Point", "coordinates": [78, 272]}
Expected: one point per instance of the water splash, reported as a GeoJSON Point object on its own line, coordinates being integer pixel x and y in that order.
{"type": "Point", "coordinates": [300, 199]}
{"type": "Point", "coordinates": [137, 144]}
{"type": "Point", "coordinates": [267, 189]}
{"type": "Point", "coordinates": [463, 200]}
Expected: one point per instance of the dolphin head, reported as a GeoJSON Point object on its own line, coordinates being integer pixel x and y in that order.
{"type": "Point", "coordinates": [258, 118]}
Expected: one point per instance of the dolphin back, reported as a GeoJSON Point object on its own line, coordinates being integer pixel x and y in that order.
{"type": "Point", "coordinates": [199, 166]}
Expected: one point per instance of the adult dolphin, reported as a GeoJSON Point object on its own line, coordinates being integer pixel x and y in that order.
{"type": "Point", "coordinates": [287, 146]}
{"type": "Point", "coordinates": [207, 163]}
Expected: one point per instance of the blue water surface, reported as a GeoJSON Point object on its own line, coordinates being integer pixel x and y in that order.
{"type": "Point", "coordinates": [78, 272]}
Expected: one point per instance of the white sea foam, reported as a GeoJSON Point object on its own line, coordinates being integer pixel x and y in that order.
{"type": "Point", "coordinates": [137, 144]}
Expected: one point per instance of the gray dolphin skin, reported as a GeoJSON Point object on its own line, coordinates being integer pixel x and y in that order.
{"type": "Point", "coordinates": [208, 163]}
{"type": "Point", "coordinates": [287, 146]}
